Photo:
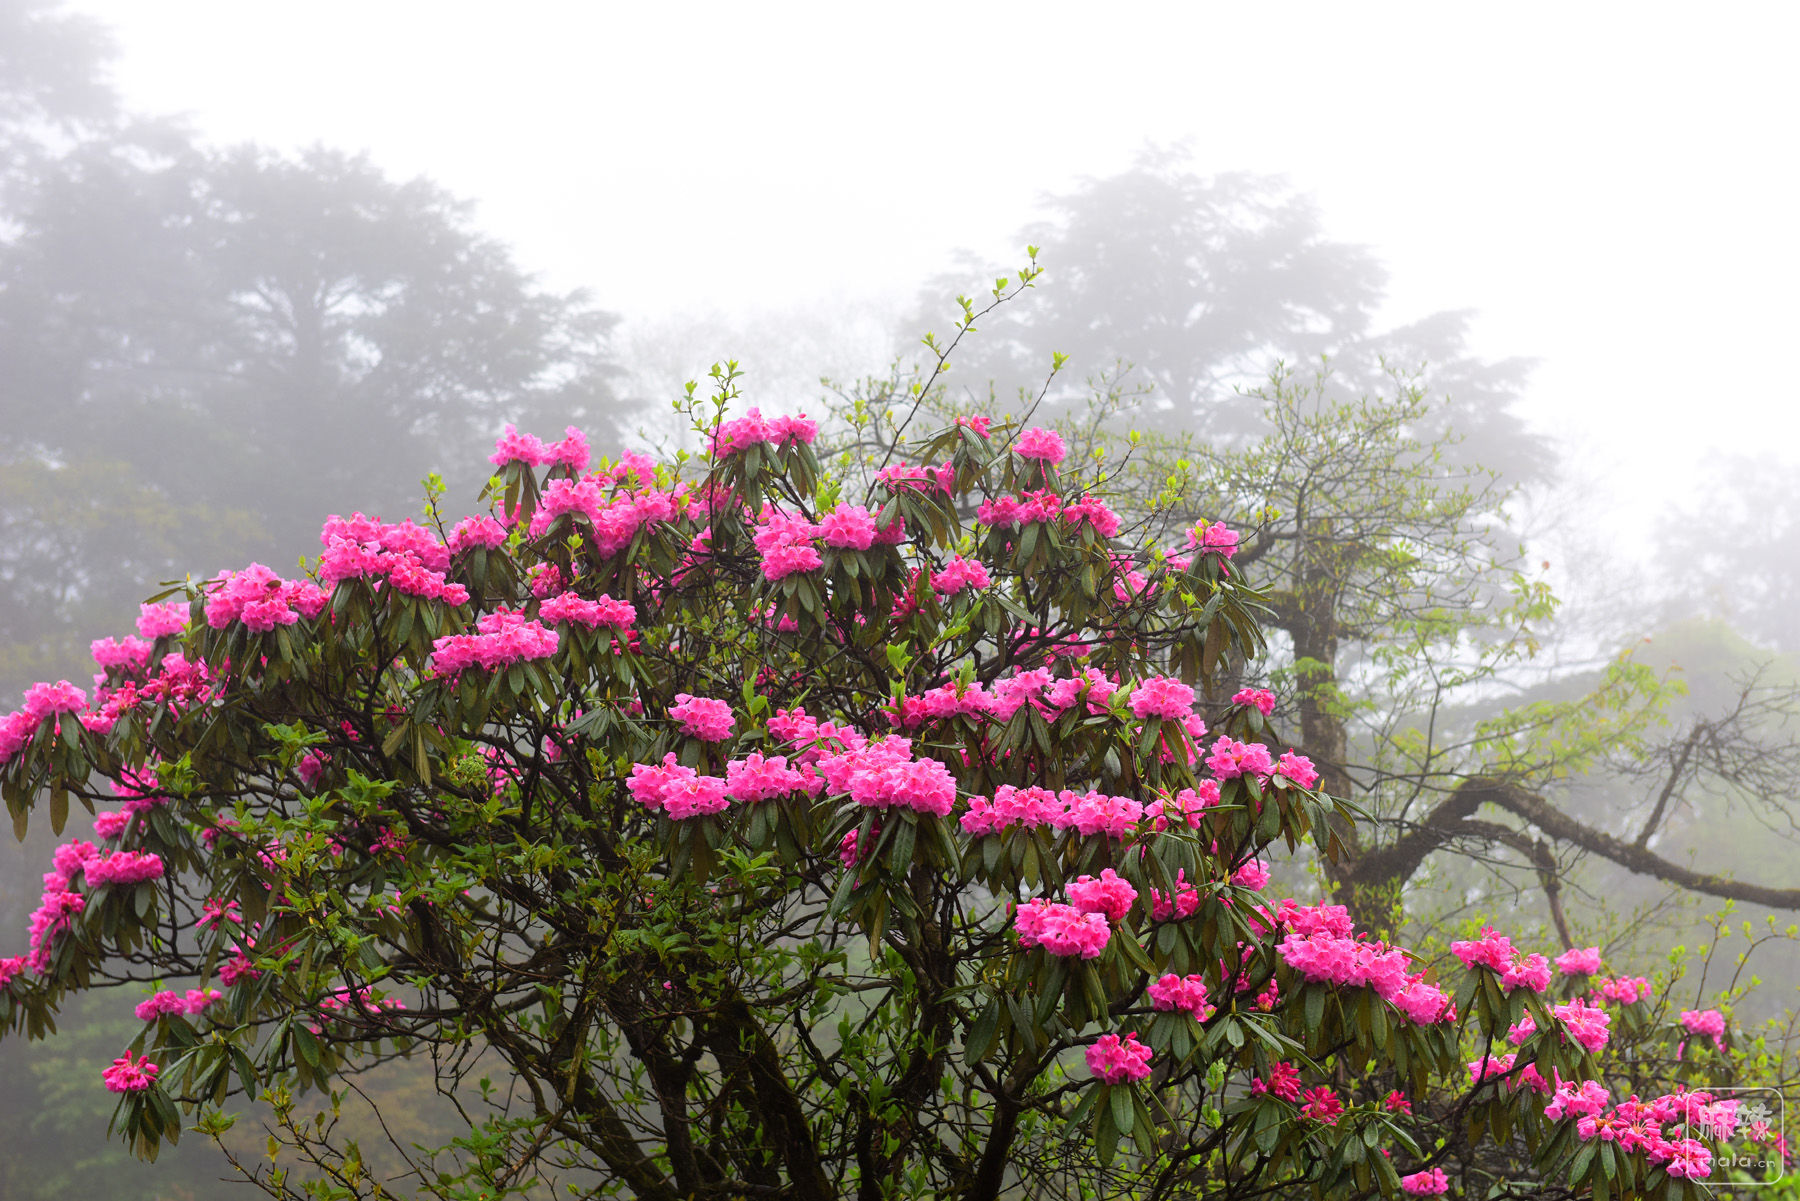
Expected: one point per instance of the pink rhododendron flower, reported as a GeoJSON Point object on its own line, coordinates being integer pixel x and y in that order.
{"type": "Point", "coordinates": [505, 637]}
{"type": "Point", "coordinates": [1182, 905]}
{"type": "Point", "coordinates": [960, 573]}
{"type": "Point", "coordinates": [1707, 1022]}
{"type": "Point", "coordinates": [1579, 962]}
{"type": "Point", "coordinates": [1095, 512]}
{"type": "Point", "coordinates": [1283, 1083]}
{"type": "Point", "coordinates": [702, 717]}
{"type": "Point", "coordinates": [1430, 1183]}
{"type": "Point", "coordinates": [1162, 697]}
{"type": "Point", "coordinates": [130, 1075]}
{"type": "Point", "coordinates": [572, 609]}
{"type": "Point", "coordinates": [1258, 698]}
{"type": "Point", "coordinates": [1253, 875]}
{"type": "Point", "coordinates": [848, 526]}
{"type": "Point", "coordinates": [754, 778]}
{"type": "Point", "coordinates": [1586, 1024]}
{"type": "Point", "coordinates": [1230, 759]}
{"type": "Point", "coordinates": [1322, 1105]}
{"type": "Point", "coordinates": [163, 1002]}
{"type": "Point", "coordinates": [1492, 950]}
{"type": "Point", "coordinates": [1119, 1061]}
{"type": "Point", "coordinates": [1625, 989]}
{"type": "Point", "coordinates": [1185, 806]}
{"type": "Point", "coordinates": [1110, 894]}
{"type": "Point", "coordinates": [123, 867]}
{"type": "Point", "coordinates": [158, 621]}
{"type": "Point", "coordinates": [514, 447]}
{"type": "Point", "coordinates": [1172, 992]}
{"type": "Point", "coordinates": [978, 424]}
{"type": "Point", "coordinates": [1585, 1099]}
{"type": "Point", "coordinates": [1042, 444]}
{"type": "Point", "coordinates": [1532, 971]}
{"type": "Point", "coordinates": [261, 599]}
{"type": "Point", "coordinates": [1061, 929]}
{"type": "Point", "coordinates": [110, 824]}
{"type": "Point", "coordinates": [1216, 539]}
{"type": "Point", "coordinates": [51, 700]}
{"type": "Point", "coordinates": [1297, 768]}
{"type": "Point", "coordinates": [1396, 1102]}
{"type": "Point", "coordinates": [480, 531]}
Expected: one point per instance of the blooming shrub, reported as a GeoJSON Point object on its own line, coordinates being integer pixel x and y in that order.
{"type": "Point", "coordinates": [781, 833]}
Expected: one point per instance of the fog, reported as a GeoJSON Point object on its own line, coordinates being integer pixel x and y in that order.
{"type": "Point", "coordinates": [251, 254]}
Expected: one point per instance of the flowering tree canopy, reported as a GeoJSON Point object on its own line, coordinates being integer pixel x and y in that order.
{"type": "Point", "coordinates": [783, 832]}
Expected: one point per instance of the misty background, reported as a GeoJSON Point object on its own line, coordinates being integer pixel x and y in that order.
{"type": "Point", "coordinates": [259, 264]}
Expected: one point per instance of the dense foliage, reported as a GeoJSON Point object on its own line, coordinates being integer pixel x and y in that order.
{"type": "Point", "coordinates": [759, 829]}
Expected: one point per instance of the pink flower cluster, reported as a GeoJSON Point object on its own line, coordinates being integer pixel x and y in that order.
{"type": "Point", "coordinates": [128, 655]}
{"type": "Point", "coordinates": [514, 447]}
{"type": "Point", "coordinates": [1430, 1183]}
{"type": "Point", "coordinates": [1498, 1067]}
{"type": "Point", "coordinates": [1090, 813]}
{"type": "Point", "coordinates": [1185, 806]}
{"type": "Point", "coordinates": [122, 867]}
{"type": "Point", "coordinates": [1217, 539]}
{"type": "Point", "coordinates": [261, 600]}
{"type": "Point", "coordinates": [1181, 906]}
{"type": "Point", "coordinates": [907, 477]}
{"type": "Point", "coordinates": [1253, 874]}
{"type": "Point", "coordinates": [43, 702]}
{"type": "Point", "coordinates": [1117, 1061]}
{"type": "Point", "coordinates": [1579, 962]}
{"type": "Point", "coordinates": [1043, 445]}
{"type": "Point", "coordinates": [406, 556]}
{"type": "Point", "coordinates": [1049, 695]}
{"type": "Point", "coordinates": [1709, 1023]}
{"type": "Point", "coordinates": [1109, 894]}
{"type": "Point", "coordinates": [1322, 1105]}
{"type": "Point", "coordinates": [747, 431]}
{"type": "Point", "coordinates": [884, 775]}
{"type": "Point", "coordinates": [1635, 1125]}
{"type": "Point", "coordinates": [480, 530]}
{"type": "Point", "coordinates": [1587, 1024]}
{"type": "Point", "coordinates": [1259, 699]}
{"type": "Point", "coordinates": [1010, 511]}
{"type": "Point", "coordinates": [1625, 989]}
{"type": "Point", "coordinates": [1172, 992]}
{"type": "Point", "coordinates": [505, 638]}
{"type": "Point", "coordinates": [1494, 951]}
{"type": "Point", "coordinates": [195, 1002]}
{"type": "Point", "coordinates": [1230, 759]}
{"type": "Point", "coordinates": [1163, 697]}
{"type": "Point", "coordinates": [678, 791]}
{"type": "Point", "coordinates": [1319, 946]}
{"type": "Point", "coordinates": [129, 1075]}
{"type": "Point", "coordinates": [755, 778]}
{"type": "Point", "coordinates": [162, 620]}
{"type": "Point", "coordinates": [848, 527]}
{"type": "Point", "coordinates": [702, 717]}
{"type": "Point", "coordinates": [1095, 512]}
{"type": "Point", "coordinates": [960, 573]}
{"type": "Point", "coordinates": [613, 513]}
{"type": "Point", "coordinates": [1061, 929]}
{"type": "Point", "coordinates": [1283, 1082]}
{"type": "Point", "coordinates": [786, 545]}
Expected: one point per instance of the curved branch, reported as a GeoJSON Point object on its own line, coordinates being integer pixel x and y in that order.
{"type": "Point", "coordinates": [1454, 817]}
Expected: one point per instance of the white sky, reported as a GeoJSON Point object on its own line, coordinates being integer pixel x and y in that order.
{"type": "Point", "coordinates": [1612, 187]}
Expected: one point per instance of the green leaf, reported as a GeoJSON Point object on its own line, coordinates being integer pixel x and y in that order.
{"type": "Point", "coordinates": [981, 1033]}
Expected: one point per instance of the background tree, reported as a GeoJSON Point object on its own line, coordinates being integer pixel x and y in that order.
{"type": "Point", "coordinates": [239, 314]}
{"type": "Point", "coordinates": [1201, 286]}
